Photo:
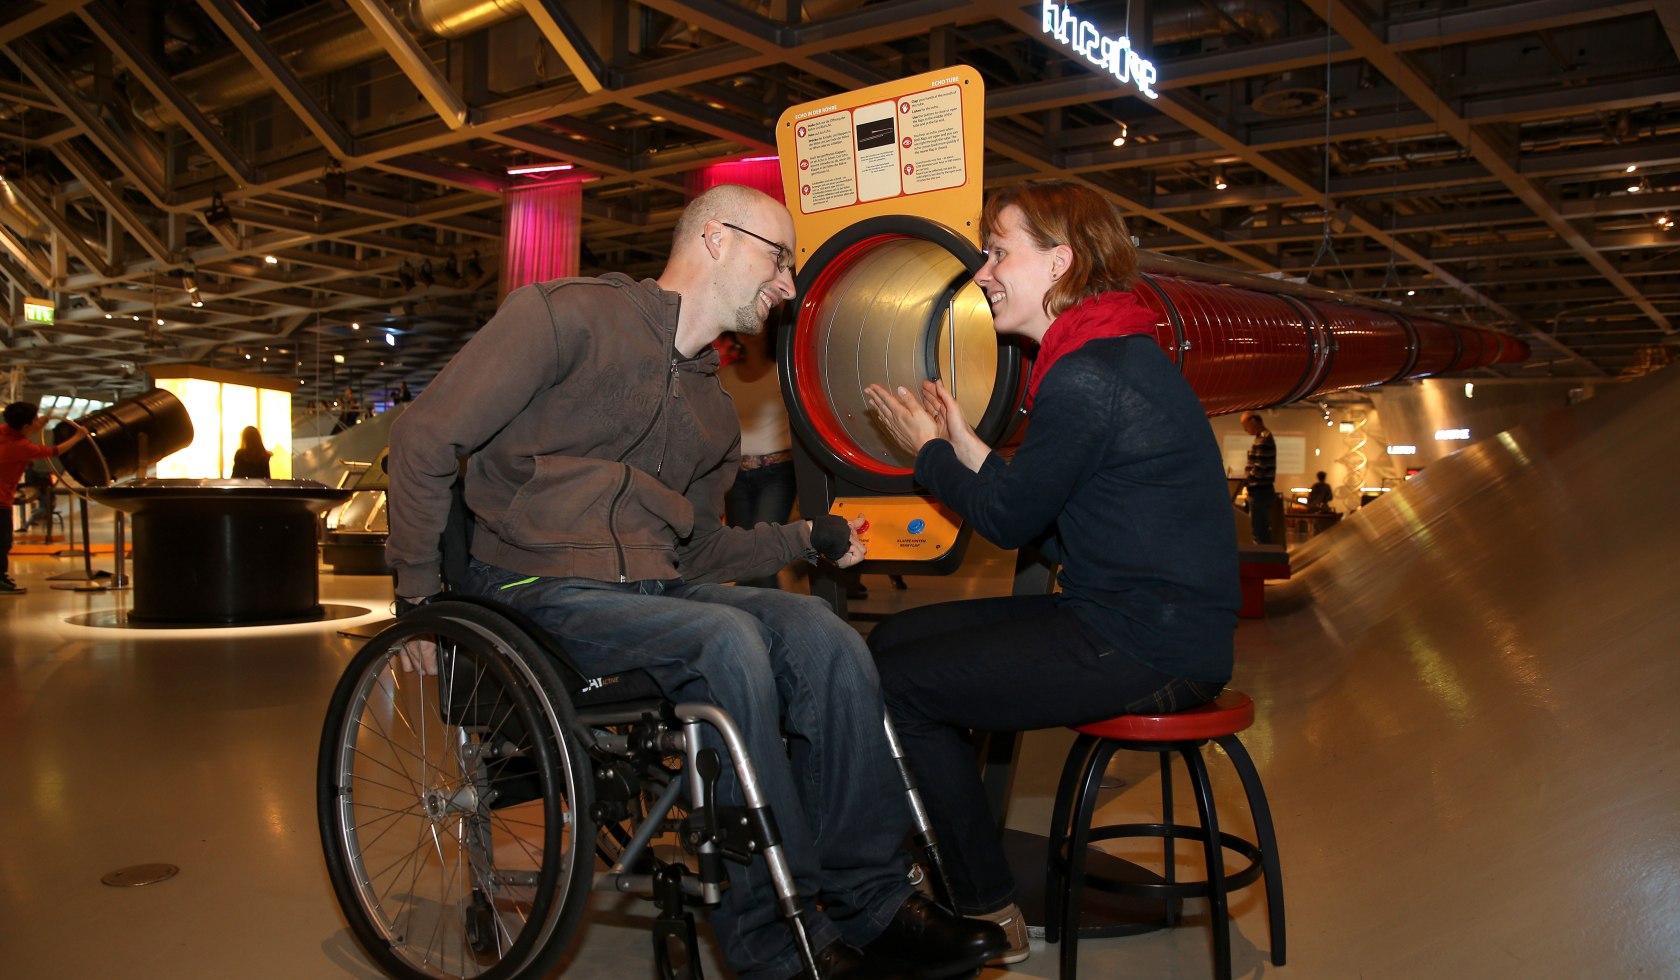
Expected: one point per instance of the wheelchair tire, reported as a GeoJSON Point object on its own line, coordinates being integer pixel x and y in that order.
{"type": "Point", "coordinates": [455, 809]}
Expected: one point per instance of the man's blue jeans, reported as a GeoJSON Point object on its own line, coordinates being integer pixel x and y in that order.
{"type": "Point", "coordinates": [777, 663]}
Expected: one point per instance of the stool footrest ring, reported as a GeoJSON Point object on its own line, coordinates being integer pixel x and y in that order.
{"type": "Point", "coordinates": [1172, 889]}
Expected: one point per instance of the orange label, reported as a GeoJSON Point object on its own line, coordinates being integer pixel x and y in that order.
{"type": "Point", "coordinates": [901, 528]}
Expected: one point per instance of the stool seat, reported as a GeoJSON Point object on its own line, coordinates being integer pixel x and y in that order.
{"type": "Point", "coordinates": [1227, 714]}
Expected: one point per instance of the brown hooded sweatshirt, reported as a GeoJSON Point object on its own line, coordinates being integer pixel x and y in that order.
{"type": "Point", "coordinates": [595, 449]}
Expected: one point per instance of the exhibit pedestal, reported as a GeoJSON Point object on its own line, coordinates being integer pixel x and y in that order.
{"type": "Point", "coordinates": [223, 551]}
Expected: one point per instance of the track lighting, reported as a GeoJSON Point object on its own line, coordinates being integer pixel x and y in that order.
{"type": "Point", "coordinates": [1664, 222]}
{"type": "Point", "coordinates": [1219, 181]}
{"type": "Point", "coordinates": [1120, 140]}
{"type": "Point", "coordinates": [217, 214]}
{"type": "Point", "coordinates": [190, 285]}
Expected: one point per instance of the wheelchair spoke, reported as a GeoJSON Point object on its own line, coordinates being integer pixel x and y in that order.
{"type": "Point", "coordinates": [451, 805]}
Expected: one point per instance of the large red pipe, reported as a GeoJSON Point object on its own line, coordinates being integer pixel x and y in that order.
{"type": "Point", "coordinates": [1246, 342]}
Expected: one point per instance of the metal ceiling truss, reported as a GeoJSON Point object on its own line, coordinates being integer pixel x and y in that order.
{"type": "Point", "coordinates": [1477, 155]}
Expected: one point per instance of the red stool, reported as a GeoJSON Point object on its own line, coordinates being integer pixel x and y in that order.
{"type": "Point", "coordinates": [1184, 732]}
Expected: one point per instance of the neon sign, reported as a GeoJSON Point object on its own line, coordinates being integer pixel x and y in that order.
{"type": "Point", "coordinates": [1112, 54]}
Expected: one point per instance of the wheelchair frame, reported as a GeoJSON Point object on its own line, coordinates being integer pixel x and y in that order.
{"type": "Point", "coordinates": [454, 812]}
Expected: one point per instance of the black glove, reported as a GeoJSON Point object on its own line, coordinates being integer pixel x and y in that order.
{"type": "Point", "coordinates": [831, 536]}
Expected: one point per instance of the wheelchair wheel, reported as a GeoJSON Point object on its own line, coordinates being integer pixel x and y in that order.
{"type": "Point", "coordinates": [455, 809]}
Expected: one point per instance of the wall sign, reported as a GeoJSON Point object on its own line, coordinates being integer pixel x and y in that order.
{"type": "Point", "coordinates": [1112, 54]}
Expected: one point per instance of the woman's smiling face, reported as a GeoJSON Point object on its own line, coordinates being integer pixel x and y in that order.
{"type": "Point", "coordinates": [1016, 277]}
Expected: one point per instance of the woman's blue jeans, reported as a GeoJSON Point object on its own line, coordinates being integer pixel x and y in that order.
{"type": "Point", "coordinates": [779, 664]}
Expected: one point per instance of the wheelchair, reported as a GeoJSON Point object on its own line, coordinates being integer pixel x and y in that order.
{"type": "Point", "coordinates": [466, 816]}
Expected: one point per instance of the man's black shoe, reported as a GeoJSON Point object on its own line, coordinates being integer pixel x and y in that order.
{"type": "Point", "coordinates": [938, 943]}
{"type": "Point", "coordinates": [840, 960]}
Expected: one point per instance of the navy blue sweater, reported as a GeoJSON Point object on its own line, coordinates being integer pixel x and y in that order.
{"type": "Point", "coordinates": [1120, 478]}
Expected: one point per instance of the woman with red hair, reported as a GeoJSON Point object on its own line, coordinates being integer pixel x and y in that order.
{"type": "Point", "coordinates": [1118, 480]}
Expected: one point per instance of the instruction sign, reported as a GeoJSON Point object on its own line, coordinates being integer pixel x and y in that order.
{"type": "Point", "coordinates": [907, 147]}
{"type": "Point", "coordinates": [910, 144]}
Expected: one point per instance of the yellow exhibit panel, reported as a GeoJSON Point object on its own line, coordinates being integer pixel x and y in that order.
{"type": "Point", "coordinates": [911, 528]}
{"type": "Point", "coordinates": [221, 404]}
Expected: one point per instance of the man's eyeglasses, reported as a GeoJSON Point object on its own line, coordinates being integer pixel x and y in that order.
{"type": "Point", "coordinates": [784, 255]}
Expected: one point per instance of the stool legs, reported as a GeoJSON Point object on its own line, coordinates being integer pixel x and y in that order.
{"type": "Point", "coordinates": [1168, 859]}
{"type": "Point", "coordinates": [1071, 834]}
{"type": "Point", "coordinates": [1090, 780]}
{"type": "Point", "coordinates": [1072, 771]}
{"type": "Point", "coordinates": [1266, 837]}
{"type": "Point", "coordinates": [1218, 909]}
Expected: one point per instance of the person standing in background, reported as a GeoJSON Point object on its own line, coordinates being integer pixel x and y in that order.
{"type": "Point", "coordinates": [250, 461]}
{"type": "Point", "coordinates": [17, 451]}
{"type": "Point", "coordinates": [765, 488]}
{"type": "Point", "coordinates": [1262, 473]}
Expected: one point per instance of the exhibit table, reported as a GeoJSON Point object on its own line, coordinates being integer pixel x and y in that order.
{"type": "Point", "coordinates": [223, 551]}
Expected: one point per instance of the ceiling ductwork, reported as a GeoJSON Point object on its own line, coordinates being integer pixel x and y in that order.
{"type": "Point", "coordinates": [312, 47]}
{"type": "Point", "coordinates": [1258, 20]}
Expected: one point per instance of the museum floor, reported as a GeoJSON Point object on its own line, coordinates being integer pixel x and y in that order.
{"type": "Point", "coordinates": [1462, 729]}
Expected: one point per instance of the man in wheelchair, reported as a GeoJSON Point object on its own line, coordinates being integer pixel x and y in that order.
{"type": "Point", "coordinates": [600, 445]}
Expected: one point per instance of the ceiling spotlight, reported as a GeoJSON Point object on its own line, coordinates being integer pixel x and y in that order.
{"type": "Point", "coordinates": [190, 284]}
{"type": "Point", "coordinates": [217, 214]}
{"type": "Point", "coordinates": [1633, 188]}
{"type": "Point", "coordinates": [334, 181]}
{"type": "Point", "coordinates": [1664, 222]}
{"type": "Point", "coordinates": [1219, 181]}
{"type": "Point", "coordinates": [1411, 292]}
{"type": "Point", "coordinates": [355, 326]}
{"type": "Point", "coordinates": [1631, 168]}
{"type": "Point", "coordinates": [1120, 140]}
{"type": "Point", "coordinates": [271, 260]}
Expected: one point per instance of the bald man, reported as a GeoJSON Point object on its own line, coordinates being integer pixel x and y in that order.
{"type": "Point", "coordinates": [601, 446]}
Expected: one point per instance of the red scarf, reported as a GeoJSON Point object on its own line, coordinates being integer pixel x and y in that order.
{"type": "Point", "coordinates": [1092, 318]}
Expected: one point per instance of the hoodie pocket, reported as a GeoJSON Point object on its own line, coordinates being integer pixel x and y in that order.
{"type": "Point", "coordinates": [578, 502]}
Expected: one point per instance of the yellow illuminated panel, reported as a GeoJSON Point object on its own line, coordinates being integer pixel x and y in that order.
{"type": "Point", "coordinates": [239, 409]}
{"type": "Point", "coordinates": [220, 407]}
{"type": "Point", "coordinates": [274, 420]}
{"type": "Point", "coordinates": [902, 528]}
{"type": "Point", "coordinates": [203, 401]}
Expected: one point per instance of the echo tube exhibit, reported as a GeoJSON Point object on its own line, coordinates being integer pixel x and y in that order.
{"type": "Point", "coordinates": [890, 300]}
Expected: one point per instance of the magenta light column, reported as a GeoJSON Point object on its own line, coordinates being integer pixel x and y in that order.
{"type": "Point", "coordinates": [759, 173]}
{"type": "Point", "coordinates": [540, 233]}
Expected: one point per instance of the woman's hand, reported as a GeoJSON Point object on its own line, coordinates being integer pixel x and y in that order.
{"type": "Point", "coordinates": [938, 401]}
{"type": "Point", "coordinates": [905, 418]}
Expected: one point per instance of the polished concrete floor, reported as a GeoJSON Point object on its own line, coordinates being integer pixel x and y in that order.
{"type": "Point", "coordinates": [1466, 728]}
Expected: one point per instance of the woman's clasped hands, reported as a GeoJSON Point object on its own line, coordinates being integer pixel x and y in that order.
{"type": "Point", "coordinates": [914, 419]}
